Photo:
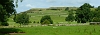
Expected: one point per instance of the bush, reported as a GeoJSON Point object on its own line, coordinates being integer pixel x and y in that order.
{"type": "Point", "coordinates": [4, 24]}
{"type": "Point", "coordinates": [9, 30]}
{"type": "Point", "coordinates": [37, 22]}
{"type": "Point", "coordinates": [46, 20]}
{"type": "Point", "coordinates": [34, 22]}
{"type": "Point", "coordinates": [96, 19]}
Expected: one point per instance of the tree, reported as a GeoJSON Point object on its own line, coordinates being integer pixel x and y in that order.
{"type": "Point", "coordinates": [7, 8]}
{"type": "Point", "coordinates": [67, 8]}
{"type": "Point", "coordinates": [22, 18]}
{"type": "Point", "coordinates": [46, 20]}
{"type": "Point", "coordinates": [97, 12]}
{"type": "Point", "coordinates": [83, 13]}
{"type": "Point", "coordinates": [70, 17]}
{"type": "Point", "coordinates": [96, 17]}
{"type": "Point", "coordinates": [17, 2]}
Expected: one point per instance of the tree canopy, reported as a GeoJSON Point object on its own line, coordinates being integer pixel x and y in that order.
{"type": "Point", "coordinates": [83, 13]}
{"type": "Point", "coordinates": [7, 8]}
{"type": "Point", "coordinates": [96, 17]}
{"type": "Point", "coordinates": [46, 20]}
{"type": "Point", "coordinates": [22, 18]}
{"type": "Point", "coordinates": [70, 16]}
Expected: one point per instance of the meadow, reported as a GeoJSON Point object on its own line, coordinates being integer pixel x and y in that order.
{"type": "Point", "coordinates": [57, 17]}
{"type": "Point", "coordinates": [62, 30]}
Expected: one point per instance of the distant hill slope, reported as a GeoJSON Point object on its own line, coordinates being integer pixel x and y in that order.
{"type": "Point", "coordinates": [51, 8]}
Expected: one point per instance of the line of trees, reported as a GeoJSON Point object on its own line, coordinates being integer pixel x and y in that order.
{"type": "Point", "coordinates": [85, 14]}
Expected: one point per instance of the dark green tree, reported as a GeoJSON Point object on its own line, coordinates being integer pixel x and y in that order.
{"type": "Point", "coordinates": [96, 17]}
{"type": "Point", "coordinates": [46, 22]}
{"type": "Point", "coordinates": [70, 17]}
{"type": "Point", "coordinates": [67, 8]}
{"type": "Point", "coordinates": [22, 18]}
{"type": "Point", "coordinates": [83, 13]}
{"type": "Point", "coordinates": [97, 12]}
{"type": "Point", "coordinates": [7, 8]}
{"type": "Point", "coordinates": [45, 19]}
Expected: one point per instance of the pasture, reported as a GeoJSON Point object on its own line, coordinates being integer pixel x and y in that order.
{"type": "Point", "coordinates": [62, 30]}
{"type": "Point", "coordinates": [58, 17]}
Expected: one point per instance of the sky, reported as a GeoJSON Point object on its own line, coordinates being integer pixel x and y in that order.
{"type": "Point", "coordinates": [28, 4]}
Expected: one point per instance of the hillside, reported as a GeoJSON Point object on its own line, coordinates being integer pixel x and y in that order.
{"type": "Point", "coordinates": [51, 8]}
{"type": "Point", "coordinates": [58, 16]}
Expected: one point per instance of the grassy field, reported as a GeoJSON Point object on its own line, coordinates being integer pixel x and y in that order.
{"type": "Point", "coordinates": [62, 30]}
{"type": "Point", "coordinates": [57, 17]}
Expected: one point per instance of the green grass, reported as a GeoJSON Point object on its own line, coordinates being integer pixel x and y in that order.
{"type": "Point", "coordinates": [62, 30]}
{"type": "Point", "coordinates": [56, 16]}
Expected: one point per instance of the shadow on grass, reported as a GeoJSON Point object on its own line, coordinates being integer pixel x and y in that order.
{"type": "Point", "coordinates": [6, 31]}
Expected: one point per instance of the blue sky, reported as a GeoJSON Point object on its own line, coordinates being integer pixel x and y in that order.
{"type": "Point", "coordinates": [28, 4]}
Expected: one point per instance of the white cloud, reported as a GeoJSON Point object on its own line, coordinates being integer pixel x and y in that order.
{"type": "Point", "coordinates": [29, 5]}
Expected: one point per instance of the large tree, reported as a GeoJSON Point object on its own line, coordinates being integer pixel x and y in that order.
{"type": "Point", "coordinates": [70, 17]}
{"type": "Point", "coordinates": [83, 13]}
{"type": "Point", "coordinates": [22, 18]}
{"type": "Point", "coordinates": [96, 17]}
{"type": "Point", "coordinates": [7, 8]}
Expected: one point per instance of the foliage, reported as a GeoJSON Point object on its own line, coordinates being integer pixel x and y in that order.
{"type": "Point", "coordinates": [17, 2]}
{"type": "Point", "coordinates": [70, 17]}
{"type": "Point", "coordinates": [9, 30]}
{"type": "Point", "coordinates": [96, 17]}
{"type": "Point", "coordinates": [83, 13]}
{"type": "Point", "coordinates": [97, 12]}
{"type": "Point", "coordinates": [4, 24]}
{"type": "Point", "coordinates": [67, 8]}
{"type": "Point", "coordinates": [22, 18]}
{"type": "Point", "coordinates": [34, 22]}
{"type": "Point", "coordinates": [6, 9]}
{"type": "Point", "coordinates": [46, 20]}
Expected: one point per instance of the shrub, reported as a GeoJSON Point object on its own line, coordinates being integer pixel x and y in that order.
{"type": "Point", "coordinates": [46, 20]}
{"type": "Point", "coordinates": [37, 22]}
{"type": "Point", "coordinates": [96, 19]}
{"type": "Point", "coordinates": [9, 30]}
{"type": "Point", "coordinates": [4, 24]}
{"type": "Point", "coordinates": [34, 22]}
